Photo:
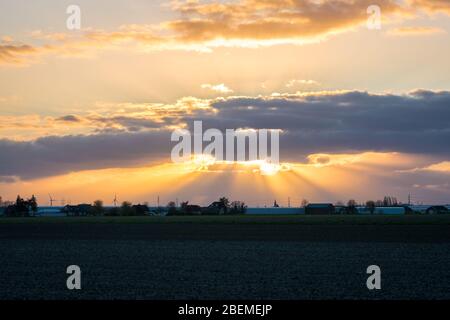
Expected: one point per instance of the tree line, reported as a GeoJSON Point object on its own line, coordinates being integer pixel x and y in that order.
{"type": "Point", "coordinates": [223, 206]}
{"type": "Point", "coordinates": [98, 209]}
{"type": "Point", "coordinates": [22, 207]}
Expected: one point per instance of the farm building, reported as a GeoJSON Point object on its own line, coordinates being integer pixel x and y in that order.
{"type": "Point", "coordinates": [419, 208]}
{"type": "Point", "coordinates": [437, 210]}
{"type": "Point", "coordinates": [274, 211]}
{"type": "Point", "coordinates": [50, 212]}
{"type": "Point", "coordinates": [382, 210]}
{"type": "Point", "coordinates": [320, 208]}
{"type": "Point", "coordinates": [428, 209]}
{"type": "Point", "coordinates": [78, 210]}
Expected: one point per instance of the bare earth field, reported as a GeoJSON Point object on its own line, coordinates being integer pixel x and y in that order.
{"type": "Point", "coordinates": [225, 257]}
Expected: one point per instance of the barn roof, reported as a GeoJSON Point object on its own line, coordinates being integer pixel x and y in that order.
{"type": "Point", "coordinates": [320, 205]}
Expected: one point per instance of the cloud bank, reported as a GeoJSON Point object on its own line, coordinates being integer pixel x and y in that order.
{"type": "Point", "coordinates": [311, 123]}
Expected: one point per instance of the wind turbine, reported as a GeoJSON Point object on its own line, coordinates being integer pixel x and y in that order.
{"type": "Point", "coordinates": [51, 200]}
{"type": "Point", "coordinates": [115, 200]}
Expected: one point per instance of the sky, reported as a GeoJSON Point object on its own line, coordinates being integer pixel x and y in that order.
{"type": "Point", "coordinates": [363, 111]}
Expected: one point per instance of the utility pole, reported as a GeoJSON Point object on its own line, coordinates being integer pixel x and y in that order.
{"type": "Point", "coordinates": [158, 201]}
{"type": "Point", "coordinates": [289, 202]}
{"type": "Point", "coordinates": [409, 199]}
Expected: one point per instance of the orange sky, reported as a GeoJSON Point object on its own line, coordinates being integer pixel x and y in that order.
{"type": "Point", "coordinates": [85, 114]}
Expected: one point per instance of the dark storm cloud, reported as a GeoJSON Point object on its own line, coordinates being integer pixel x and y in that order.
{"type": "Point", "coordinates": [57, 155]}
{"type": "Point", "coordinates": [422, 110]}
{"type": "Point", "coordinates": [316, 123]}
{"type": "Point", "coordinates": [352, 121]}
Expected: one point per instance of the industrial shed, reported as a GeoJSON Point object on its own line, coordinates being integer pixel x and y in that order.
{"type": "Point", "coordinates": [320, 209]}
{"type": "Point", "coordinates": [382, 210]}
{"type": "Point", "coordinates": [428, 209]}
{"type": "Point", "coordinates": [275, 211]}
{"type": "Point", "coordinates": [437, 210]}
{"type": "Point", "coordinates": [50, 212]}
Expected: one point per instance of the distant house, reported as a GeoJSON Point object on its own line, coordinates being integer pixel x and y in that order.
{"type": "Point", "coordinates": [274, 211]}
{"type": "Point", "coordinates": [78, 210]}
{"type": "Point", "coordinates": [426, 209]}
{"type": "Point", "coordinates": [53, 211]}
{"type": "Point", "coordinates": [193, 209]}
{"type": "Point", "coordinates": [340, 209]}
{"type": "Point", "coordinates": [399, 210]}
{"type": "Point", "coordinates": [215, 208]}
{"type": "Point", "coordinates": [319, 208]}
{"type": "Point", "coordinates": [422, 208]}
{"type": "Point", "coordinates": [141, 209]}
{"type": "Point", "coordinates": [437, 210]}
{"type": "Point", "coordinates": [408, 209]}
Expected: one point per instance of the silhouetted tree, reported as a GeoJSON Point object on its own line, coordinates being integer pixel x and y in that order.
{"type": "Point", "coordinates": [126, 209]}
{"type": "Point", "coordinates": [97, 208]}
{"type": "Point", "coordinates": [22, 208]}
{"type": "Point", "coordinates": [140, 209]}
{"type": "Point", "coordinates": [304, 203]}
{"type": "Point", "coordinates": [172, 208]}
{"type": "Point", "coordinates": [224, 204]}
{"type": "Point", "coordinates": [351, 207]}
{"type": "Point", "coordinates": [371, 206]}
{"type": "Point", "coordinates": [390, 201]}
{"type": "Point", "coordinates": [32, 202]}
{"type": "Point", "coordinates": [113, 212]}
{"type": "Point", "coordinates": [237, 207]}
{"type": "Point", "coordinates": [184, 207]}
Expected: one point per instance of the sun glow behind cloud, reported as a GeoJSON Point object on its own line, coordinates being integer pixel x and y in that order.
{"type": "Point", "coordinates": [324, 177]}
{"type": "Point", "coordinates": [207, 163]}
